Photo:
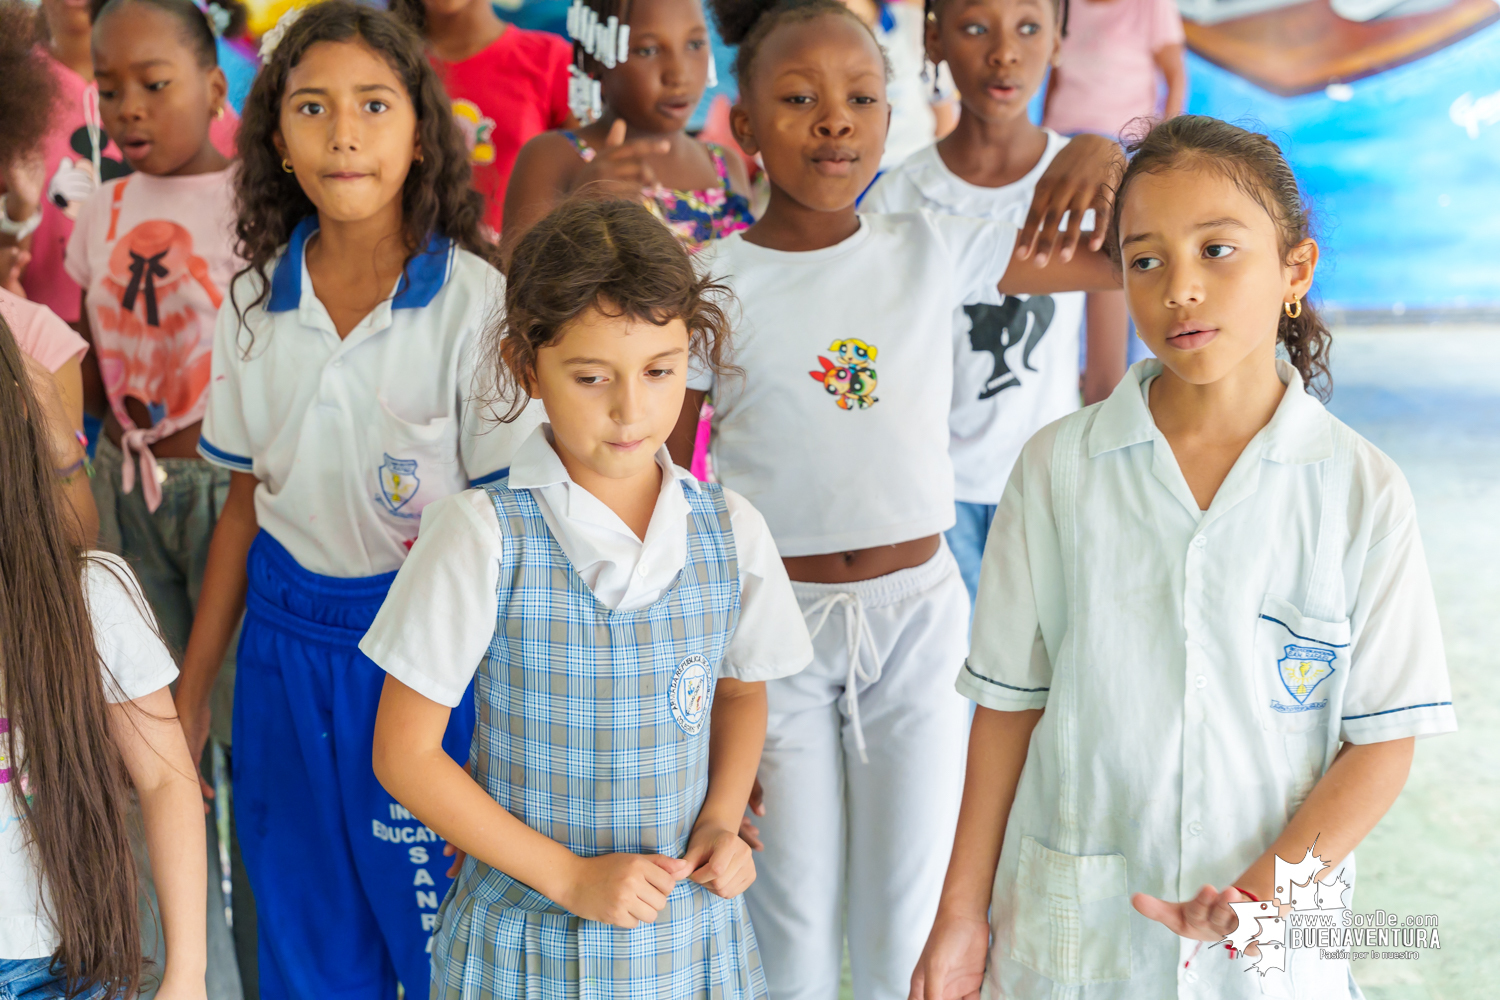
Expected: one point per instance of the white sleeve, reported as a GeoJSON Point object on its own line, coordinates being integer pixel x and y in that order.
{"type": "Point", "coordinates": [1008, 668]}
{"type": "Point", "coordinates": [980, 251]}
{"type": "Point", "coordinates": [135, 659]}
{"type": "Point", "coordinates": [485, 445]}
{"type": "Point", "coordinates": [1398, 674]}
{"type": "Point", "coordinates": [882, 198]}
{"type": "Point", "coordinates": [437, 621]}
{"type": "Point", "coordinates": [224, 439]}
{"type": "Point", "coordinates": [771, 639]}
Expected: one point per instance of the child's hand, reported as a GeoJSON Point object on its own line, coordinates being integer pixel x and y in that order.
{"type": "Point", "coordinates": [1081, 177]}
{"type": "Point", "coordinates": [749, 832]}
{"type": "Point", "coordinates": [952, 962]}
{"type": "Point", "coordinates": [450, 851]}
{"type": "Point", "coordinates": [622, 163]}
{"type": "Point", "coordinates": [625, 890]}
{"type": "Point", "coordinates": [1205, 917]}
{"type": "Point", "coordinates": [720, 861]}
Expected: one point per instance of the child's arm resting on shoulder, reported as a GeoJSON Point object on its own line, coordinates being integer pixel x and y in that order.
{"type": "Point", "coordinates": [1081, 177]}
{"type": "Point", "coordinates": [953, 961]}
{"type": "Point", "coordinates": [409, 760]}
{"type": "Point", "coordinates": [164, 775]}
{"type": "Point", "coordinates": [1086, 271]}
{"type": "Point", "coordinates": [1341, 810]}
{"type": "Point", "coordinates": [716, 856]}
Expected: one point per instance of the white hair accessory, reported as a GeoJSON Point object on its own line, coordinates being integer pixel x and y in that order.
{"type": "Point", "coordinates": [219, 18]}
{"type": "Point", "coordinates": [272, 38]}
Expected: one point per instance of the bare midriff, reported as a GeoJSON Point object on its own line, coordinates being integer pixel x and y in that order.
{"type": "Point", "coordinates": [861, 564]}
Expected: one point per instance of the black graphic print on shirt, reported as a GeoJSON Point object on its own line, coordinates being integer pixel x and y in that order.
{"type": "Point", "coordinates": [997, 329]}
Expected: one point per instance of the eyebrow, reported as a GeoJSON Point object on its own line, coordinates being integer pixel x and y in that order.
{"type": "Point", "coordinates": [144, 63]}
{"type": "Point", "coordinates": [1210, 224]}
{"type": "Point", "coordinates": [363, 88]}
{"type": "Point", "coordinates": [670, 352]}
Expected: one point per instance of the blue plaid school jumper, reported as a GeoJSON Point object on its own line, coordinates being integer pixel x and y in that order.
{"type": "Point", "coordinates": [578, 738]}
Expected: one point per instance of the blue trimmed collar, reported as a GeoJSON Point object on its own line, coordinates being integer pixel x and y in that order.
{"type": "Point", "coordinates": [424, 277]}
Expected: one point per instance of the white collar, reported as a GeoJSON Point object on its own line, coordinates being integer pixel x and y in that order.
{"type": "Point", "coordinates": [536, 466]}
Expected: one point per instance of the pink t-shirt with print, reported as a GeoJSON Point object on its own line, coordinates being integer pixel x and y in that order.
{"type": "Point", "coordinates": [40, 332]}
{"type": "Point", "coordinates": [155, 256]}
{"type": "Point", "coordinates": [69, 153]}
{"type": "Point", "coordinates": [1107, 74]}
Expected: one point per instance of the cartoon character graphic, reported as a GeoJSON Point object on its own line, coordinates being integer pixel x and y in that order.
{"type": "Point", "coordinates": [152, 346]}
{"type": "Point", "coordinates": [851, 380]}
{"type": "Point", "coordinates": [477, 129]}
{"type": "Point", "coordinates": [997, 329]}
{"type": "Point", "coordinates": [74, 180]}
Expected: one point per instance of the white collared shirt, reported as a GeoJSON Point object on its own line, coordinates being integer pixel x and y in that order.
{"type": "Point", "coordinates": [432, 632]}
{"type": "Point", "coordinates": [1015, 357]}
{"type": "Point", "coordinates": [352, 438]}
{"type": "Point", "coordinates": [1163, 642]}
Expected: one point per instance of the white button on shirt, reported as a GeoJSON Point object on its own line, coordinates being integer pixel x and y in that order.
{"type": "Point", "coordinates": [433, 630]}
{"type": "Point", "coordinates": [351, 438]}
{"type": "Point", "coordinates": [1199, 669]}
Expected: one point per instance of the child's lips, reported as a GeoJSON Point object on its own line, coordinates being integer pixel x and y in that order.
{"type": "Point", "coordinates": [136, 149]}
{"type": "Point", "coordinates": [1191, 339]}
{"type": "Point", "coordinates": [1002, 91]}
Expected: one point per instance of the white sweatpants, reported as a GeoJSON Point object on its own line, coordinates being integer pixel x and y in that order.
{"type": "Point", "coordinates": [866, 839]}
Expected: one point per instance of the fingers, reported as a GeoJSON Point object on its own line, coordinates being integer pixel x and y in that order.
{"type": "Point", "coordinates": [1103, 208]}
{"type": "Point", "coordinates": [750, 834]}
{"type": "Point", "coordinates": [208, 794]}
{"type": "Point", "coordinates": [458, 860]}
{"type": "Point", "coordinates": [1032, 227]}
{"type": "Point", "coordinates": [1167, 914]}
{"type": "Point", "coordinates": [757, 799]}
{"type": "Point", "coordinates": [918, 989]}
{"type": "Point", "coordinates": [658, 875]}
{"type": "Point", "coordinates": [616, 134]}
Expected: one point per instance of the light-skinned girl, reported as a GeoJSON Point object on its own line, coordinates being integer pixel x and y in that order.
{"type": "Point", "coordinates": [639, 147]}
{"type": "Point", "coordinates": [622, 618]}
{"type": "Point", "coordinates": [340, 403]}
{"type": "Point", "coordinates": [507, 84]}
{"type": "Point", "coordinates": [861, 772]}
{"type": "Point", "coordinates": [87, 717]}
{"type": "Point", "coordinates": [1016, 358]}
{"type": "Point", "coordinates": [1205, 635]}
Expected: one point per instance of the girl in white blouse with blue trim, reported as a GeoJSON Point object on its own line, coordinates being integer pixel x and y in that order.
{"type": "Point", "coordinates": [1205, 635]}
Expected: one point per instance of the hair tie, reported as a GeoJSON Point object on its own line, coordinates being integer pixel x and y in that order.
{"type": "Point", "coordinates": [272, 38]}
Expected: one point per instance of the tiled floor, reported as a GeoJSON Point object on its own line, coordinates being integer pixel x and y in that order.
{"type": "Point", "coordinates": [1430, 398]}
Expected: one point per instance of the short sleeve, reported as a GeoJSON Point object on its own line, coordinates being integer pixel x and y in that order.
{"type": "Point", "coordinates": [980, 250]}
{"type": "Point", "coordinates": [225, 438]}
{"type": "Point", "coordinates": [1398, 674]}
{"type": "Point", "coordinates": [771, 639]}
{"type": "Point", "coordinates": [129, 644]}
{"type": "Point", "coordinates": [559, 55]}
{"type": "Point", "coordinates": [437, 621]}
{"type": "Point", "coordinates": [1008, 668]}
{"type": "Point", "coordinates": [1166, 25]}
{"type": "Point", "coordinates": [486, 445]}
{"type": "Point", "coordinates": [40, 332]}
{"type": "Point", "coordinates": [882, 199]}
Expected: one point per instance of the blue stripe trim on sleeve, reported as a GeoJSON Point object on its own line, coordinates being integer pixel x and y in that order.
{"type": "Point", "coordinates": [219, 455]}
{"type": "Point", "coordinates": [1403, 708]}
{"type": "Point", "coordinates": [989, 680]}
{"type": "Point", "coordinates": [1305, 638]}
{"type": "Point", "coordinates": [493, 477]}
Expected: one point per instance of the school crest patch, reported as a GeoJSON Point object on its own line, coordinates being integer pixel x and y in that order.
{"type": "Point", "coordinates": [398, 483]}
{"type": "Point", "coordinates": [1303, 668]}
{"type": "Point", "coordinates": [691, 692]}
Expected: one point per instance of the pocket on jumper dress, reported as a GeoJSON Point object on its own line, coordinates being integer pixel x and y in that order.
{"type": "Point", "coordinates": [1072, 916]}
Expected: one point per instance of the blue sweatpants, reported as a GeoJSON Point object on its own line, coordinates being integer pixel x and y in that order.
{"type": "Point", "coordinates": [966, 538]}
{"type": "Point", "coordinates": [347, 884]}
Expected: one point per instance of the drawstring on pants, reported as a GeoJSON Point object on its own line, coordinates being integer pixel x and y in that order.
{"type": "Point", "coordinates": [857, 634]}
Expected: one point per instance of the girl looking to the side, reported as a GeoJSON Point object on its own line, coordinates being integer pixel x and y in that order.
{"type": "Point", "coordinates": [1259, 687]}
{"type": "Point", "coordinates": [639, 148]}
{"type": "Point", "coordinates": [341, 404]}
{"type": "Point", "coordinates": [85, 716]}
{"type": "Point", "coordinates": [838, 432]}
{"type": "Point", "coordinates": [506, 83]}
{"type": "Point", "coordinates": [1015, 358]}
{"type": "Point", "coordinates": [622, 618]}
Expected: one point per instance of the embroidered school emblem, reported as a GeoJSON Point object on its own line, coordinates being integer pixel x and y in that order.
{"type": "Point", "coordinates": [398, 483]}
{"type": "Point", "coordinates": [692, 687]}
{"type": "Point", "coordinates": [851, 378]}
{"type": "Point", "coordinates": [1303, 668]}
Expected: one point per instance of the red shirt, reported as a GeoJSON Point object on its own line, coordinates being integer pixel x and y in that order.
{"type": "Point", "coordinates": [514, 89]}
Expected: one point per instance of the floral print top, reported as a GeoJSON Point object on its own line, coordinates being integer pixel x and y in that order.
{"type": "Point", "coordinates": [696, 217]}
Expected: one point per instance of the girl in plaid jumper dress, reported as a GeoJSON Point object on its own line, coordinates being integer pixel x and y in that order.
{"type": "Point", "coordinates": [619, 620]}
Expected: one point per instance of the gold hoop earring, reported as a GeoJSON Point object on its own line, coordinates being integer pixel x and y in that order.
{"type": "Point", "coordinates": [218, 112]}
{"type": "Point", "coordinates": [287, 166]}
{"type": "Point", "coordinates": [1293, 309]}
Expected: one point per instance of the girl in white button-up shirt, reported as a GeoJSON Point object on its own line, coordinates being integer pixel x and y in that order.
{"type": "Point", "coordinates": [1205, 636]}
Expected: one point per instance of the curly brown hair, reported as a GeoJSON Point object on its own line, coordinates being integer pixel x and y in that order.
{"type": "Point", "coordinates": [747, 23]}
{"type": "Point", "coordinates": [436, 198]}
{"type": "Point", "coordinates": [30, 90]}
{"type": "Point", "coordinates": [1256, 164]}
{"type": "Point", "coordinates": [612, 255]}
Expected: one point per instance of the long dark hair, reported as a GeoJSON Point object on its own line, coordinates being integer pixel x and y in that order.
{"type": "Point", "coordinates": [436, 198]}
{"type": "Point", "coordinates": [1257, 165]}
{"type": "Point", "coordinates": [67, 779]}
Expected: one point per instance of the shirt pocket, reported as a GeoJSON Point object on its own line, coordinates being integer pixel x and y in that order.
{"type": "Point", "coordinates": [414, 463]}
{"type": "Point", "coordinates": [1072, 916]}
{"type": "Point", "coordinates": [1296, 660]}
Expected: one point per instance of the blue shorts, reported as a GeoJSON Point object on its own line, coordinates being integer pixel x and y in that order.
{"type": "Point", "coordinates": [33, 979]}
